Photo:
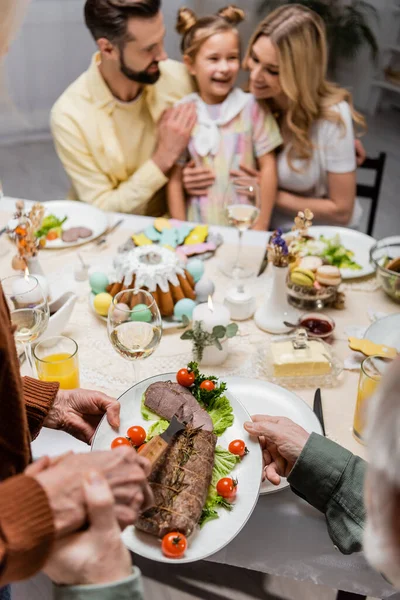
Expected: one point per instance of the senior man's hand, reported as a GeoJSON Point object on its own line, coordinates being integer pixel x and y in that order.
{"type": "Point", "coordinates": [79, 412]}
{"type": "Point", "coordinates": [62, 479]}
{"type": "Point", "coordinates": [282, 442]}
{"type": "Point", "coordinates": [96, 556]}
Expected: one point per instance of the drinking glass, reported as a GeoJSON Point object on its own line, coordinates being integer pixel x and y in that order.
{"type": "Point", "coordinates": [29, 310]}
{"type": "Point", "coordinates": [372, 370]}
{"type": "Point", "coordinates": [134, 326]}
{"type": "Point", "coordinates": [242, 205]}
{"type": "Point", "coordinates": [56, 359]}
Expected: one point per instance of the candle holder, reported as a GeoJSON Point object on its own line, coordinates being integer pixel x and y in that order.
{"type": "Point", "coordinates": [209, 348]}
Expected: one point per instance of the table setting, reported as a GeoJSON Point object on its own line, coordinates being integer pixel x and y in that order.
{"type": "Point", "coordinates": [273, 329]}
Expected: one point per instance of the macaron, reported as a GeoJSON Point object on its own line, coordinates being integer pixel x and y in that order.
{"type": "Point", "coordinates": [329, 275]}
{"type": "Point", "coordinates": [302, 277]}
{"type": "Point", "coordinates": [311, 263]}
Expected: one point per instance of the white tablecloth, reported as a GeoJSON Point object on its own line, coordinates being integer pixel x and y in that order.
{"type": "Point", "coordinates": [284, 536]}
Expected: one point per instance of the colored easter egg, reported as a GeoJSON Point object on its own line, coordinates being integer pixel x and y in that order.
{"type": "Point", "coordinates": [204, 288]}
{"type": "Point", "coordinates": [195, 267]}
{"type": "Point", "coordinates": [184, 307]}
{"type": "Point", "coordinates": [102, 303]}
{"type": "Point", "coordinates": [121, 312]}
{"type": "Point", "coordinates": [141, 313]}
{"type": "Point", "coordinates": [98, 282]}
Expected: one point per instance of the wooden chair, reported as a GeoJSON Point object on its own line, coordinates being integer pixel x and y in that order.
{"type": "Point", "coordinates": [372, 191]}
{"type": "Point", "coordinates": [349, 596]}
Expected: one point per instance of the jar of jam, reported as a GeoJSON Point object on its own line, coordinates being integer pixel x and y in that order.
{"type": "Point", "coordinates": [317, 325]}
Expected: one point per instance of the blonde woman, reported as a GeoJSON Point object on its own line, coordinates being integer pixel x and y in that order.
{"type": "Point", "coordinates": [287, 60]}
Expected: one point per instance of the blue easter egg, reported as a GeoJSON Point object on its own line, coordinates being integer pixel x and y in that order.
{"type": "Point", "coordinates": [195, 267]}
{"type": "Point", "coordinates": [184, 307]}
{"type": "Point", "coordinates": [141, 313]}
{"type": "Point", "coordinates": [98, 282]}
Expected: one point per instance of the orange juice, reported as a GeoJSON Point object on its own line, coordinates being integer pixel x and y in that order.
{"type": "Point", "coordinates": [366, 389]}
{"type": "Point", "coordinates": [60, 367]}
{"type": "Point", "coordinates": [372, 370]}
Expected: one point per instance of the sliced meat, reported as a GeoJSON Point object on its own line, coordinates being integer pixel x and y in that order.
{"type": "Point", "coordinates": [168, 399]}
{"type": "Point", "coordinates": [180, 483]}
{"type": "Point", "coordinates": [85, 232]}
{"type": "Point", "coordinates": [70, 235]}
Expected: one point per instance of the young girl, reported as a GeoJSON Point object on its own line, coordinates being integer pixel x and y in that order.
{"type": "Point", "coordinates": [231, 127]}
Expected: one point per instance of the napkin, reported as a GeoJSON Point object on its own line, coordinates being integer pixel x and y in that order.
{"type": "Point", "coordinates": [353, 361]}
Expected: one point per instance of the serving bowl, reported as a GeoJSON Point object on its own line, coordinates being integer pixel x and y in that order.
{"type": "Point", "coordinates": [385, 256]}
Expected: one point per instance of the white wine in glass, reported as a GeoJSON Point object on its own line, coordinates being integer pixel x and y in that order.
{"type": "Point", "coordinates": [134, 325]}
{"type": "Point", "coordinates": [29, 310]}
{"type": "Point", "coordinates": [242, 205]}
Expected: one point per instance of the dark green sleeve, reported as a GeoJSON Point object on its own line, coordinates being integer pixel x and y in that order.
{"type": "Point", "coordinates": [331, 479]}
{"type": "Point", "coordinates": [128, 589]}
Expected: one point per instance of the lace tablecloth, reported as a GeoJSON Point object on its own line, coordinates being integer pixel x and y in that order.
{"type": "Point", "coordinates": [292, 540]}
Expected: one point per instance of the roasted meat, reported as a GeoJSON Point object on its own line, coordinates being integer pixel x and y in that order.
{"type": "Point", "coordinates": [180, 483]}
{"type": "Point", "coordinates": [168, 399]}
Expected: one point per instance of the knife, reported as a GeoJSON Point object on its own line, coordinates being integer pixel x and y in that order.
{"type": "Point", "coordinates": [155, 448]}
{"type": "Point", "coordinates": [264, 264]}
{"type": "Point", "coordinates": [317, 408]}
{"type": "Point", "coordinates": [103, 239]}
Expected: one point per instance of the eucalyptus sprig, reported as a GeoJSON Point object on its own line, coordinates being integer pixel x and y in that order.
{"type": "Point", "coordinates": [202, 339]}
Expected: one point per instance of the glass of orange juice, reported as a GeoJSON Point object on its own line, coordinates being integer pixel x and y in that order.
{"type": "Point", "coordinates": [56, 359]}
{"type": "Point", "coordinates": [372, 370]}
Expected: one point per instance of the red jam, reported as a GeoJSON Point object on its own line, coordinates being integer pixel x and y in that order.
{"type": "Point", "coordinates": [317, 326]}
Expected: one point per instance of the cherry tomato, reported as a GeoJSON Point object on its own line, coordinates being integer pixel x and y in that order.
{"type": "Point", "coordinates": [52, 235]}
{"type": "Point", "coordinates": [120, 441]}
{"type": "Point", "coordinates": [227, 487]}
{"type": "Point", "coordinates": [174, 545]}
{"type": "Point", "coordinates": [238, 447]}
{"type": "Point", "coordinates": [141, 448]}
{"type": "Point", "coordinates": [137, 435]}
{"type": "Point", "coordinates": [185, 378]}
{"type": "Point", "coordinates": [207, 385]}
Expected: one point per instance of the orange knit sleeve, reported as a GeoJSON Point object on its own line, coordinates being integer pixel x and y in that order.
{"type": "Point", "coordinates": [26, 528]}
{"type": "Point", "coordinates": [38, 397]}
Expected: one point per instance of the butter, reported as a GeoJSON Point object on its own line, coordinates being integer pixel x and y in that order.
{"type": "Point", "coordinates": [300, 362]}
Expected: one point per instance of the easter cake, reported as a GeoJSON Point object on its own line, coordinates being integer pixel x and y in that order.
{"type": "Point", "coordinates": [156, 269]}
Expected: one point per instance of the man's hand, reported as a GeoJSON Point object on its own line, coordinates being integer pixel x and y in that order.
{"type": "Point", "coordinates": [98, 555]}
{"type": "Point", "coordinates": [79, 412]}
{"type": "Point", "coordinates": [62, 479]}
{"type": "Point", "coordinates": [361, 154]}
{"type": "Point", "coordinates": [282, 442]}
{"type": "Point", "coordinates": [174, 132]}
{"type": "Point", "coordinates": [197, 180]}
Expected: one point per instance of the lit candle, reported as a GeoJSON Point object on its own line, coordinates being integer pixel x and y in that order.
{"type": "Point", "coordinates": [211, 315]}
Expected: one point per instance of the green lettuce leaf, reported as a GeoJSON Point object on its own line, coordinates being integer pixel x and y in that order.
{"type": "Point", "coordinates": [224, 463]}
{"type": "Point", "coordinates": [147, 414]}
{"type": "Point", "coordinates": [156, 428]}
{"type": "Point", "coordinates": [221, 414]}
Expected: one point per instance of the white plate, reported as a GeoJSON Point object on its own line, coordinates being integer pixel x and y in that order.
{"type": "Point", "coordinates": [215, 534]}
{"type": "Point", "coordinates": [358, 242]}
{"type": "Point", "coordinates": [264, 398]}
{"type": "Point", "coordinates": [79, 214]}
{"type": "Point", "coordinates": [385, 331]}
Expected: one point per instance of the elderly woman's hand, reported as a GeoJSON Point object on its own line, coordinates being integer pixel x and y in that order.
{"type": "Point", "coordinates": [282, 442]}
{"type": "Point", "coordinates": [97, 555]}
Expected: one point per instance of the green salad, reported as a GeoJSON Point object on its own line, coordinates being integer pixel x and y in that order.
{"type": "Point", "coordinates": [220, 410]}
{"type": "Point", "coordinates": [330, 249]}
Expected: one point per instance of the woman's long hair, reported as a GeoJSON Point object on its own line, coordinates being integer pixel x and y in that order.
{"type": "Point", "coordinates": [300, 39]}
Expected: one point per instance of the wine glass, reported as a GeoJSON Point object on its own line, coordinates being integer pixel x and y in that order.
{"type": "Point", "coordinates": [134, 325]}
{"type": "Point", "coordinates": [242, 205]}
{"type": "Point", "coordinates": [29, 310]}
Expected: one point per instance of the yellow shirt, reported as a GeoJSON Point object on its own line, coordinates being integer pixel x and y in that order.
{"type": "Point", "coordinates": [106, 145]}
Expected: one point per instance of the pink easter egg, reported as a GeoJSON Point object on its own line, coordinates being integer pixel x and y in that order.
{"type": "Point", "coordinates": [121, 312]}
